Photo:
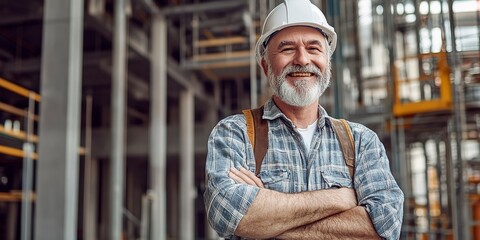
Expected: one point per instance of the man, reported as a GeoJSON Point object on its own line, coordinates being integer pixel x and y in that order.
{"type": "Point", "coordinates": [304, 189]}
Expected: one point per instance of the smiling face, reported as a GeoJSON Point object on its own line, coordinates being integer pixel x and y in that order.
{"type": "Point", "coordinates": [297, 64]}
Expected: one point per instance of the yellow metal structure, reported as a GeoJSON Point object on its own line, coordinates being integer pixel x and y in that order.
{"type": "Point", "coordinates": [15, 152]}
{"type": "Point", "coordinates": [19, 90]}
{"type": "Point", "coordinates": [440, 74]}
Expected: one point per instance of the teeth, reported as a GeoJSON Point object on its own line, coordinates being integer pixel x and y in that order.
{"type": "Point", "coordinates": [301, 74]}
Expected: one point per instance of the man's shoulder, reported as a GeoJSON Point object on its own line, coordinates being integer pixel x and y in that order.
{"type": "Point", "coordinates": [238, 118]}
{"type": "Point", "coordinates": [360, 130]}
{"type": "Point", "coordinates": [231, 123]}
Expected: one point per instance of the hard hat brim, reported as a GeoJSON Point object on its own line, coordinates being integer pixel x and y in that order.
{"type": "Point", "coordinates": [330, 35]}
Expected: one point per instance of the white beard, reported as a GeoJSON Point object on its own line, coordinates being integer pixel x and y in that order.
{"type": "Point", "coordinates": [301, 93]}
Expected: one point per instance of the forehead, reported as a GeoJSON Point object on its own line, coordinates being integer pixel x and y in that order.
{"type": "Point", "coordinates": [297, 34]}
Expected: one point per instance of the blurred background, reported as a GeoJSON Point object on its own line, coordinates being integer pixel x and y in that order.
{"type": "Point", "coordinates": [106, 107]}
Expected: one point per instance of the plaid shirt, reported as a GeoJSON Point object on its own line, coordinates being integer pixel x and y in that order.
{"type": "Point", "coordinates": [289, 167]}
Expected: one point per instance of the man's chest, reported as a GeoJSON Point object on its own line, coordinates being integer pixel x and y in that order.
{"type": "Point", "coordinates": [289, 168]}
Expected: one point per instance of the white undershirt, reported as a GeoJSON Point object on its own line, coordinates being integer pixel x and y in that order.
{"type": "Point", "coordinates": [307, 134]}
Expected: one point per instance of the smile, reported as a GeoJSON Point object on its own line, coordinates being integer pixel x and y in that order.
{"type": "Point", "coordinates": [300, 74]}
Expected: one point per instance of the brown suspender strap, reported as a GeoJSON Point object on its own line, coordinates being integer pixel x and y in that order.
{"type": "Point", "coordinates": [250, 126]}
{"type": "Point", "coordinates": [345, 137]}
{"type": "Point", "coordinates": [257, 130]}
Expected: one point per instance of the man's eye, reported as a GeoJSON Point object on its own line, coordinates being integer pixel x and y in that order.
{"type": "Point", "coordinates": [287, 50]}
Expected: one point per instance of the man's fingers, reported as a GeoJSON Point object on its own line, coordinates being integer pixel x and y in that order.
{"type": "Point", "coordinates": [235, 178]}
{"type": "Point", "coordinates": [245, 176]}
{"type": "Point", "coordinates": [252, 176]}
{"type": "Point", "coordinates": [246, 179]}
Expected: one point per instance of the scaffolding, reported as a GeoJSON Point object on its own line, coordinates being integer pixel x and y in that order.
{"type": "Point", "coordinates": [409, 70]}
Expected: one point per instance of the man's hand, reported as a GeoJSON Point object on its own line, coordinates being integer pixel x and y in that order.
{"type": "Point", "coordinates": [244, 176]}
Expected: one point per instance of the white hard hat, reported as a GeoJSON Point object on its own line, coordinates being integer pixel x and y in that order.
{"type": "Point", "coordinates": [294, 13]}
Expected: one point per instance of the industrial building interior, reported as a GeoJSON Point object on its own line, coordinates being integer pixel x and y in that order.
{"type": "Point", "coordinates": [106, 107]}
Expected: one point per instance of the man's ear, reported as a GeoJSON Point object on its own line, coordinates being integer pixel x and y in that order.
{"type": "Point", "coordinates": [264, 67]}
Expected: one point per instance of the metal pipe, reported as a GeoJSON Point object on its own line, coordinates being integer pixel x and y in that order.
{"type": "Point", "coordinates": [337, 60]}
{"type": "Point", "coordinates": [158, 127]}
{"type": "Point", "coordinates": [90, 176]}
{"type": "Point", "coordinates": [253, 62]}
{"type": "Point", "coordinates": [117, 160]}
{"type": "Point", "coordinates": [187, 165]}
{"type": "Point", "coordinates": [27, 182]}
{"type": "Point", "coordinates": [440, 184]}
{"type": "Point", "coordinates": [427, 191]}
{"type": "Point", "coordinates": [195, 32]}
{"type": "Point", "coordinates": [405, 167]}
{"type": "Point", "coordinates": [452, 194]}
{"type": "Point", "coordinates": [458, 122]}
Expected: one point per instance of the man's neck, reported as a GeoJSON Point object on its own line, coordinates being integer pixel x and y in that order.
{"type": "Point", "coordinates": [300, 116]}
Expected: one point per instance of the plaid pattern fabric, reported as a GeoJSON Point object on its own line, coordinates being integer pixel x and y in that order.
{"type": "Point", "coordinates": [289, 167]}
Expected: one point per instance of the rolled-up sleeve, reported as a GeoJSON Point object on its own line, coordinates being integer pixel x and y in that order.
{"type": "Point", "coordinates": [376, 188]}
{"type": "Point", "coordinates": [225, 201]}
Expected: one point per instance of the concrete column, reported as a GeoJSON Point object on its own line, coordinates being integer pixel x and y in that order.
{"type": "Point", "coordinates": [117, 159]}
{"type": "Point", "coordinates": [59, 129]}
{"type": "Point", "coordinates": [187, 165]}
{"type": "Point", "coordinates": [158, 127]}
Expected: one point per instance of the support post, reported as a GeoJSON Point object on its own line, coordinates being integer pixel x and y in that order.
{"type": "Point", "coordinates": [253, 63]}
{"type": "Point", "coordinates": [187, 165]}
{"type": "Point", "coordinates": [59, 129]}
{"type": "Point", "coordinates": [337, 60]}
{"type": "Point", "coordinates": [158, 127]}
{"type": "Point", "coordinates": [464, 219]}
{"type": "Point", "coordinates": [90, 184]}
{"type": "Point", "coordinates": [117, 179]}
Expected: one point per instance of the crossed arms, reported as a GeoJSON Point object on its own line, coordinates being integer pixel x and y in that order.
{"type": "Point", "coordinates": [331, 213]}
{"type": "Point", "coordinates": [243, 207]}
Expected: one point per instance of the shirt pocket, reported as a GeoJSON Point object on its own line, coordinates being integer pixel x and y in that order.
{"type": "Point", "coordinates": [276, 179]}
{"type": "Point", "coordinates": [336, 179]}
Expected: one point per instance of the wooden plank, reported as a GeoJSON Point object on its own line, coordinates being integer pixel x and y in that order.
{"type": "Point", "coordinates": [220, 65]}
{"type": "Point", "coordinates": [221, 56]}
{"type": "Point", "coordinates": [221, 41]}
{"type": "Point", "coordinates": [19, 90]}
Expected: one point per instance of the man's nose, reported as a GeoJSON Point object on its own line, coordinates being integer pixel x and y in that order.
{"type": "Point", "coordinates": [301, 58]}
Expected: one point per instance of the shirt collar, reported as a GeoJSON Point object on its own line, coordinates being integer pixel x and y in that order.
{"type": "Point", "coordinates": [272, 112]}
